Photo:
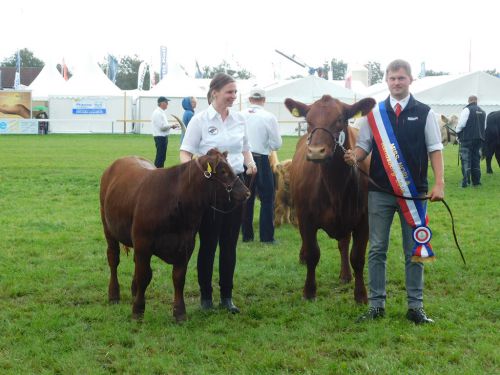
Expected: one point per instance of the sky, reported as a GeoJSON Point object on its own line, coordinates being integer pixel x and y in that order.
{"type": "Point", "coordinates": [447, 35]}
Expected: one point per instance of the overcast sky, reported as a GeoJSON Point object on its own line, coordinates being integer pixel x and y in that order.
{"type": "Point", "coordinates": [439, 33]}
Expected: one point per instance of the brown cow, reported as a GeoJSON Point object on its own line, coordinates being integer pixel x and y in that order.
{"type": "Point", "coordinates": [158, 212]}
{"type": "Point", "coordinates": [283, 208]}
{"type": "Point", "coordinates": [327, 193]}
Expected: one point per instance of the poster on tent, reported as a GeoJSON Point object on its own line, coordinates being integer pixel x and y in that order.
{"type": "Point", "coordinates": [15, 104]}
{"type": "Point", "coordinates": [18, 126]}
{"type": "Point", "coordinates": [89, 106]}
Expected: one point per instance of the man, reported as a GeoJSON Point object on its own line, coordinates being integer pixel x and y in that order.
{"type": "Point", "coordinates": [470, 131]}
{"type": "Point", "coordinates": [405, 132]}
{"type": "Point", "coordinates": [161, 129]}
{"type": "Point", "coordinates": [263, 136]}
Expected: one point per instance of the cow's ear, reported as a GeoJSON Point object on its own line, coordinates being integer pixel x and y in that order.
{"type": "Point", "coordinates": [444, 119]}
{"type": "Point", "coordinates": [225, 154]}
{"type": "Point", "coordinates": [361, 108]}
{"type": "Point", "coordinates": [297, 109]}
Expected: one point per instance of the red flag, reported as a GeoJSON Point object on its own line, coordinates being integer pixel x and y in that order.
{"type": "Point", "coordinates": [64, 71]}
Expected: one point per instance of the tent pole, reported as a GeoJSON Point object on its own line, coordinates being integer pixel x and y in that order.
{"type": "Point", "coordinates": [124, 112]}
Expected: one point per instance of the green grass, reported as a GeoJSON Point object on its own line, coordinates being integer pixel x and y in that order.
{"type": "Point", "coordinates": [55, 319]}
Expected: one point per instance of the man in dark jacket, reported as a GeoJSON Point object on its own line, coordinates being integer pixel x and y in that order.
{"type": "Point", "coordinates": [470, 131]}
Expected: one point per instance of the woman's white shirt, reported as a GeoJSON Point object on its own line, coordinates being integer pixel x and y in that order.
{"type": "Point", "coordinates": [206, 130]}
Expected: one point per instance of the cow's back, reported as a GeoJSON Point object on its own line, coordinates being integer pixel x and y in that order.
{"type": "Point", "coordinates": [120, 184]}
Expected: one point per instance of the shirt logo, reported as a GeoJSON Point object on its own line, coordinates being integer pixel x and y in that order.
{"type": "Point", "coordinates": [213, 130]}
{"type": "Point", "coordinates": [413, 118]}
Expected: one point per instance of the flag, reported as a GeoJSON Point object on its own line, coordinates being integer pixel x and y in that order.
{"type": "Point", "coordinates": [140, 75]}
{"type": "Point", "coordinates": [163, 62]}
{"type": "Point", "coordinates": [17, 79]}
{"type": "Point", "coordinates": [64, 70]}
{"type": "Point", "coordinates": [348, 80]}
{"type": "Point", "coordinates": [152, 78]}
{"type": "Point", "coordinates": [112, 68]}
{"type": "Point", "coordinates": [422, 70]}
{"type": "Point", "coordinates": [198, 73]}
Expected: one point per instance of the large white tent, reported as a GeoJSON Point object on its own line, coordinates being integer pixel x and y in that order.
{"type": "Point", "coordinates": [448, 94]}
{"type": "Point", "coordinates": [307, 90]}
{"type": "Point", "coordinates": [89, 103]}
{"type": "Point", "coordinates": [48, 82]}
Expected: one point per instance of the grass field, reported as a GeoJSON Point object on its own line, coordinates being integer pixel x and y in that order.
{"type": "Point", "coordinates": [55, 319]}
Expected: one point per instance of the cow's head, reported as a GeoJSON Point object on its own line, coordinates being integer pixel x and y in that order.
{"type": "Point", "coordinates": [327, 123]}
{"type": "Point", "coordinates": [229, 189]}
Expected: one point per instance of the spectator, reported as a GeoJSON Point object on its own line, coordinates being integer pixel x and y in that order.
{"type": "Point", "coordinates": [264, 137]}
{"type": "Point", "coordinates": [161, 129]}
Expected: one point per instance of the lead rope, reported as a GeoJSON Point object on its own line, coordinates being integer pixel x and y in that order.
{"type": "Point", "coordinates": [415, 199]}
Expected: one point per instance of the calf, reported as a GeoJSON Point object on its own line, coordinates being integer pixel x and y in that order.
{"type": "Point", "coordinates": [158, 212]}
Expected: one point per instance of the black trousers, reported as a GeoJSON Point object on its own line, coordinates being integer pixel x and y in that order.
{"type": "Point", "coordinates": [264, 186]}
{"type": "Point", "coordinates": [161, 151]}
{"type": "Point", "coordinates": [218, 229]}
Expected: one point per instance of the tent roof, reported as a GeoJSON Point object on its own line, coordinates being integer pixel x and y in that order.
{"type": "Point", "coordinates": [48, 82]}
{"type": "Point", "coordinates": [89, 80]}
{"type": "Point", "coordinates": [449, 89]}
{"type": "Point", "coordinates": [307, 90]}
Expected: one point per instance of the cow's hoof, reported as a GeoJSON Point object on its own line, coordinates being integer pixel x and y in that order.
{"type": "Point", "coordinates": [309, 296]}
{"type": "Point", "coordinates": [114, 301]}
{"type": "Point", "coordinates": [138, 316]}
{"type": "Point", "coordinates": [180, 318]}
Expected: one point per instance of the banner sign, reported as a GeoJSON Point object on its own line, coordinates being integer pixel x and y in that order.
{"type": "Point", "coordinates": [163, 62]}
{"type": "Point", "coordinates": [18, 126]}
{"type": "Point", "coordinates": [89, 107]}
{"type": "Point", "coordinates": [15, 104]}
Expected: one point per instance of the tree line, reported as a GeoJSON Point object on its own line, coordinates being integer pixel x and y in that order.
{"type": "Point", "coordinates": [128, 69]}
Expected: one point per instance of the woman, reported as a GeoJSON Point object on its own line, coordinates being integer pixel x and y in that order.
{"type": "Point", "coordinates": [219, 127]}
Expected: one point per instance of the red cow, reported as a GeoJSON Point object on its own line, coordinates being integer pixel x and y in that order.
{"type": "Point", "coordinates": [326, 192]}
{"type": "Point", "coordinates": [158, 212]}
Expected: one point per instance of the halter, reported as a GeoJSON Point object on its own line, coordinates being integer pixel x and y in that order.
{"type": "Point", "coordinates": [228, 187]}
{"type": "Point", "coordinates": [337, 138]}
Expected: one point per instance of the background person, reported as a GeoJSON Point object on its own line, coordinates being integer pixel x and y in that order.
{"type": "Point", "coordinates": [189, 105]}
{"type": "Point", "coordinates": [219, 127]}
{"type": "Point", "coordinates": [470, 131]}
{"type": "Point", "coordinates": [161, 130]}
{"type": "Point", "coordinates": [418, 136]}
{"type": "Point", "coordinates": [264, 137]}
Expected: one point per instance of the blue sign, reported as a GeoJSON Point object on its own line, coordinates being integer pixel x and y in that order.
{"type": "Point", "coordinates": [89, 111]}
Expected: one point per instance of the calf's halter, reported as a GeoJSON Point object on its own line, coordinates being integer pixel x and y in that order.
{"type": "Point", "coordinates": [228, 187]}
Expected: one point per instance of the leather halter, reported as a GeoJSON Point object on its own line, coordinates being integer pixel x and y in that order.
{"type": "Point", "coordinates": [228, 187]}
{"type": "Point", "coordinates": [336, 138]}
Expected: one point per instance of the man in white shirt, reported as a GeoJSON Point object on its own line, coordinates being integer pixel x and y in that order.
{"type": "Point", "coordinates": [161, 129]}
{"type": "Point", "coordinates": [263, 136]}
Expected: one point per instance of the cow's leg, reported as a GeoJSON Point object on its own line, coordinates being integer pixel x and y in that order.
{"type": "Point", "coordinates": [113, 253]}
{"type": "Point", "coordinates": [497, 154]}
{"type": "Point", "coordinates": [179, 279]}
{"type": "Point", "coordinates": [358, 253]}
{"type": "Point", "coordinates": [309, 254]}
{"type": "Point", "coordinates": [142, 276]}
{"type": "Point", "coordinates": [133, 286]}
{"type": "Point", "coordinates": [345, 275]}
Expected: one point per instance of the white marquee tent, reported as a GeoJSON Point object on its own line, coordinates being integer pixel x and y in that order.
{"type": "Point", "coordinates": [448, 94]}
{"type": "Point", "coordinates": [48, 82]}
{"type": "Point", "coordinates": [89, 103]}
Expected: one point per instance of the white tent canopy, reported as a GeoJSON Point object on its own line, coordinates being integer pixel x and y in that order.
{"type": "Point", "coordinates": [448, 94]}
{"type": "Point", "coordinates": [89, 80]}
{"type": "Point", "coordinates": [48, 82]}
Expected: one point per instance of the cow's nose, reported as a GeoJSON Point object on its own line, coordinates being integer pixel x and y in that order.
{"type": "Point", "coordinates": [316, 152]}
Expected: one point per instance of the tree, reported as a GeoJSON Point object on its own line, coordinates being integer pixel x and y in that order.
{"type": "Point", "coordinates": [28, 59]}
{"type": "Point", "coordinates": [493, 72]}
{"type": "Point", "coordinates": [339, 69]}
{"type": "Point", "coordinates": [430, 72]}
{"type": "Point", "coordinates": [127, 72]}
{"type": "Point", "coordinates": [224, 67]}
{"type": "Point", "coordinates": [375, 74]}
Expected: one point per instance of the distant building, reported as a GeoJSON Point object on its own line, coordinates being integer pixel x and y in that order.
{"type": "Point", "coordinates": [8, 74]}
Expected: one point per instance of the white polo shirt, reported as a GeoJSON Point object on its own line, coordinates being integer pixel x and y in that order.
{"type": "Point", "coordinates": [262, 130]}
{"type": "Point", "coordinates": [206, 130]}
{"type": "Point", "coordinates": [159, 120]}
